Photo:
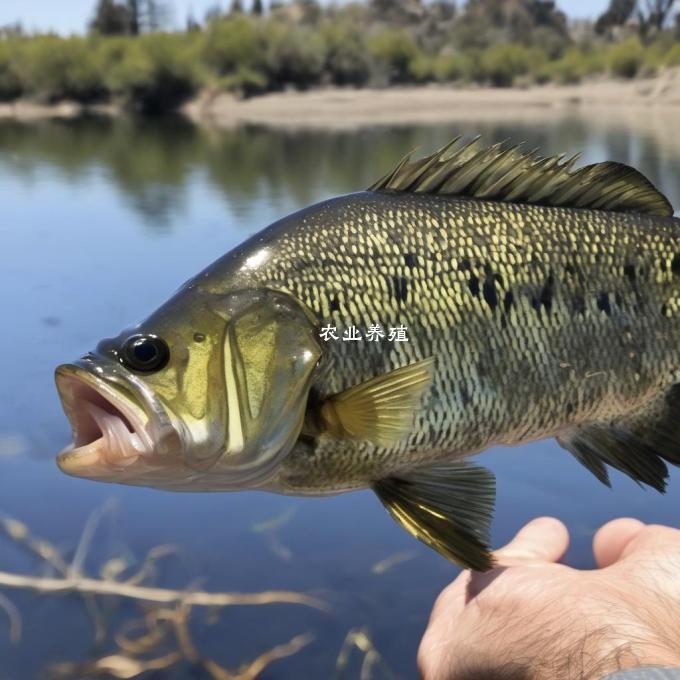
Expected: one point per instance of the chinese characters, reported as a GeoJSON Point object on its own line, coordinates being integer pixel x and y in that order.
{"type": "Point", "coordinates": [374, 333]}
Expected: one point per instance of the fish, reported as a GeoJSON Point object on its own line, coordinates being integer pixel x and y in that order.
{"type": "Point", "coordinates": [478, 296]}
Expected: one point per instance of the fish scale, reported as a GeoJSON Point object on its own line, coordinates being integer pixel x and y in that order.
{"type": "Point", "coordinates": [522, 368]}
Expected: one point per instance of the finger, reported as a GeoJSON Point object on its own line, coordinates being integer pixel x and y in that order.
{"type": "Point", "coordinates": [544, 539]}
{"type": "Point", "coordinates": [611, 539]}
{"type": "Point", "coordinates": [653, 538]}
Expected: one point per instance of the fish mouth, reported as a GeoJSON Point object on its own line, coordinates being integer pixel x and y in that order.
{"type": "Point", "coordinates": [112, 431]}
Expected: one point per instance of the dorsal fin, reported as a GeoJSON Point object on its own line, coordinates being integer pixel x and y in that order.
{"type": "Point", "coordinates": [502, 173]}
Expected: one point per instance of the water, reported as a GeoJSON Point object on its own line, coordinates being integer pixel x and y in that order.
{"type": "Point", "coordinates": [101, 221]}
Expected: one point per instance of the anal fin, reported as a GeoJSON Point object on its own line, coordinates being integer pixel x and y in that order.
{"type": "Point", "coordinates": [637, 444]}
{"type": "Point", "coordinates": [448, 507]}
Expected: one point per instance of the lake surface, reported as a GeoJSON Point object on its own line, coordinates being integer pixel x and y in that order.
{"type": "Point", "coordinates": [101, 221]}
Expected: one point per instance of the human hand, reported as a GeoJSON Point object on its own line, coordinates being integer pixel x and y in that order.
{"type": "Point", "coordinates": [531, 618]}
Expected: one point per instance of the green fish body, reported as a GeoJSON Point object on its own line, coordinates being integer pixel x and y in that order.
{"type": "Point", "coordinates": [534, 301]}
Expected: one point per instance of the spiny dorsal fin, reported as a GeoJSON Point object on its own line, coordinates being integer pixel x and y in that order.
{"type": "Point", "coordinates": [500, 173]}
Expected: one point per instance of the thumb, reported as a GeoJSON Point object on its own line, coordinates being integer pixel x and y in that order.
{"type": "Point", "coordinates": [544, 539]}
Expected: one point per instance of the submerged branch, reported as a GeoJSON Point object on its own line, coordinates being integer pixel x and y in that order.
{"type": "Point", "coordinates": [199, 598]}
{"type": "Point", "coordinates": [161, 627]}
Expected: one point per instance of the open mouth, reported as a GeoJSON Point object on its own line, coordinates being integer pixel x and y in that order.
{"type": "Point", "coordinates": [106, 430]}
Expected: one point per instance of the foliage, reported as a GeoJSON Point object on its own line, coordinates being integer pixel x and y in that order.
{"type": "Point", "coordinates": [128, 17]}
{"type": "Point", "coordinates": [393, 51]}
{"type": "Point", "coordinates": [502, 63]}
{"type": "Point", "coordinates": [111, 18]}
{"type": "Point", "coordinates": [673, 56]}
{"type": "Point", "coordinates": [573, 66]}
{"type": "Point", "coordinates": [233, 43]}
{"type": "Point", "coordinates": [454, 67]}
{"type": "Point", "coordinates": [52, 68]}
{"type": "Point", "coordinates": [347, 59]}
{"type": "Point", "coordinates": [617, 14]}
{"type": "Point", "coordinates": [626, 58]}
{"type": "Point", "coordinates": [295, 55]}
{"type": "Point", "coordinates": [303, 44]}
{"type": "Point", "coordinates": [651, 16]}
{"type": "Point", "coordinates": [152, 73]}
{"type": "Point", "coordinates": [10, 84]}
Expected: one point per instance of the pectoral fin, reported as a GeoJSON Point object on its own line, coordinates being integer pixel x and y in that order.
{"type": "Point", "coordinates": [380, 410]}
{"type": "Point", "coordinates": [447, 507]}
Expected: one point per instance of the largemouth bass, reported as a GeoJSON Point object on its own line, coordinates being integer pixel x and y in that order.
{"type": "Point", "coordinates": [476, 297]}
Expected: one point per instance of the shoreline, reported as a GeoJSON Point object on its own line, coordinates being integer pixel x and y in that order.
{"type": "Point", "coordinates": [417, 105]}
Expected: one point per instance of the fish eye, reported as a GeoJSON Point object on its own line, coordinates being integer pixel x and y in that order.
{"type": "Point", "coordinates": [144, 353]}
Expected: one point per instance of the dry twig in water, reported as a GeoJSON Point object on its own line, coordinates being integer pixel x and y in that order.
{"type": "Point", "coordinates": [166, 619]}
{"type": "Point", "coordinates": [358, 638]}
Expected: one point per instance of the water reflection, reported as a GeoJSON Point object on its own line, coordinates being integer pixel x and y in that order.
{"type": "Point", "coordinates": [151, 162]}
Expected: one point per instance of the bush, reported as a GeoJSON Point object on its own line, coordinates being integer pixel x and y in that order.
{"type": "Point", "coordinates": [245, 82]}
{"type": "Point", "coordinates": [673, 56]}
{"type": "Point", "coordinates": [393, 51]}
{"type": "Point", "coordinates": [231, 44]}
{"type": "Point", "coordinates": [574, 65]}
{"type": "Point", "coordinates": [10, 85]}
{"type": "Point", "coordinates": [52, 68]}
{"type": "Point", "coordinates": [421, 68]}
{"type": "Point", "coordinates": [626, 58]}
{"type": "Point", "coordinates": [502, 63]}
{"type": "Point", "coordinates": [347, 61]}
{"type": "Point", "coordinates": [153, 73]}
{"type": "Point", "coordinates": [295, 55]}
{"type": "Point", "coordinates": [453, 67]}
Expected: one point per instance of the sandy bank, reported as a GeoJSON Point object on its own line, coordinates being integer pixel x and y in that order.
{"type": "Point", "coordinates": [409, 105]}
{"type": "Point", "coordinates": [429, 105]}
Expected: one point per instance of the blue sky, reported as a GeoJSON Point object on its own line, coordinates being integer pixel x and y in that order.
{"type": "Point", "coordinates": [71, 16]}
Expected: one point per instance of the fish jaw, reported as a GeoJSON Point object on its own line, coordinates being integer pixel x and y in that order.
{"type": "Point", "coordinates": [113, 435]}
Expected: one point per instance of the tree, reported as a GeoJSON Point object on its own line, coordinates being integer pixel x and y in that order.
{"type": "Point", "coordinates": [236, 7]}
{"type": "Point", "coordinates": [192, 25]}
{"type": "Point", "coordinates": [651, 15]}
{"type": "Point", "coordinates": [110, 18]}
{"type": "Point", "coordinates": [654, 14]}
{"type": "Point", "coordinates": [153, 15]}
{"type": "Point", "coordinates": [529, 22]}
{"type": "Point", "coordinates": [257, 8]}
{"type": "Point", "coordinates": [133, 17]}
{"type": "Point", "coordinates": [618, 13]}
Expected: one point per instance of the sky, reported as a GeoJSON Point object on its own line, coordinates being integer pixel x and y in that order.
{"type": "Point", "coordinates": [71, 16]}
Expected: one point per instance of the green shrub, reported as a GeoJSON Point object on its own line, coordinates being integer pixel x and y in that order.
{"type": "Point", "coordinates": [295, 55]}
{"type": "Point", "coordinates": [154, 73]}
{"type": "Point", "coordinates": [347, 60]}
{"type": "Point", "coordinates": [233, 43]}
{"type": "Point", "coordinates": [393, 51]}
{"type": "Point", "coordinates": [626, 58]}
{"type": "Point", "coordinates": [574, 65]}
{"type": "Point", "coordinates": [50, 68]}
{"type": "Point", "coordinates": [245, 82]}
{"type": "Point", "coordinates": [672, 58]}
{"type": "Point", "coordinates": [453, 67]}
{"type": "Point", "coordinates": [10, 85]}
{"type": "Point", "coordinates": [421, 68]}
{"type": "Point", "coordinates": [502, 63]}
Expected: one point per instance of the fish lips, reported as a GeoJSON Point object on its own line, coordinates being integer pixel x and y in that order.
{"type": "Point", "coordinates": [118, 424]}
